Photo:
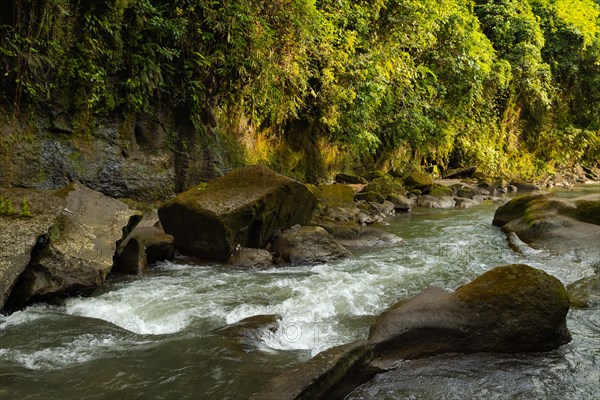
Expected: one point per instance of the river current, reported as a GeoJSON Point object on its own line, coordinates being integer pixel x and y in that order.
{"type": "Point", "coordinates": [157, 336]}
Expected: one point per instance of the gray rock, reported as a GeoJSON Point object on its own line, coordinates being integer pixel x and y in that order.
{"type": "Point", "coordinates": [78, 251]}
{"type": "Point", "coordinates": [307, 245]}
{"type": "Point", "coordinates": [585, 293]}
{"type": "Point", "coordinates": [356, 236]}
{"type": "Point", "coordinates": [436, 202]}
{"type": "Point", "coordinates": [250, 258]}
{"type": "Point", "coordinates": [19, 236]}
{"type": "Point", "coordinates": [400, 203]}
{"type": "Point", "coordinates": [145, 245]}
{"type": "Point", "coordinates": [245, 207]}
{"type": "Point", "coordinates": [462, 202]}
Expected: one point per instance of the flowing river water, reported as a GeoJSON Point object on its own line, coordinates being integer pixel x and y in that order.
{"type": "Point", "coordinates": [156, 336]}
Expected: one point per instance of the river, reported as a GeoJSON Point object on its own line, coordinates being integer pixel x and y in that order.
{"type": "Point", "coordinates": [156, 336]}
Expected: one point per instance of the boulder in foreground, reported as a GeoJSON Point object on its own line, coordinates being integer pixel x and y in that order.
{"type": "Point", "coordinates": [76, 254]}
{"type": "Point", "coordinates": [514, 308]}
{"type": "Point", "coordinates": [243, 208]}
{"type": "Point", "coordinates": [19, 236]}
{"type": "Point", "coordinates": [510, 309]}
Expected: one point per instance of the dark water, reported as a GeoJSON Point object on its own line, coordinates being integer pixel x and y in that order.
{"type": "Point", "coordinates": [154, 337]}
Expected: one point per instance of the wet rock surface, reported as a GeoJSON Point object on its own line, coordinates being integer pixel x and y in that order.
{"type": "Point", "coordinates": [308, 245]}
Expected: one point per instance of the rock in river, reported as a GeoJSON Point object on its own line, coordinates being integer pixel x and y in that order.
{"type": "Point", "coordinates": [514, 308]}
{"type": "Point", "coordinates": [19, 235]}
{"type": "Point", "coordinates": [76, 254]}
{"type": "Point", "coordinates": [510, 309]}
{"type": "Point", "coordinates": [308, 244]}
{"type": "Point", "coordinates": [244, 207]}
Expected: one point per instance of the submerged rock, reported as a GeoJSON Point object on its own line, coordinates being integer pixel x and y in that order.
{"type": "Point", "coordinates": [244, 207]}
{"type": "Point", "coordinates": [77, 253]}
{"type": "Point", "coordinates": [19, 236]}
{"type": "Point", "coordinates": [585, 293]}
{"type": "Point", "coordinates": [250, 332]}
{"type": "Point", "coordinates": [514, 308]}
{"type": "Point", "coordinates": [330, 375]}
{"type": "Point", "coordinates": [250, 258]}
{"type": "Point", "coordinates": [307, 245]}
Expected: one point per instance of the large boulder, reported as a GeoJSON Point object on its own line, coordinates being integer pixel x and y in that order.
{"type": "Point", "coordinates": [514, 308]}
{"type": "Point", "coordinates": [333, 194]}
{"type": "Point", "coordinates": [243, 208]}
{"type": "Point", "coordinates": [307, 245]}
{"type": "Point", "coordinates": [76, 254]}
{"type": "Point", "coordinates": [418, 180]}
{"type": "Point", "coordinates": [558, 225]}
{"type": "Point", "coordinates": [19, 235]}
{"type": "Point", "coordinates": [385, 185]}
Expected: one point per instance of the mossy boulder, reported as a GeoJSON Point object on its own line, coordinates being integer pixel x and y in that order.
{"type": "Point", "coordinates": [438, 190]}
{"type": "Point", "coordinates": [514, 308]}
{"type": "Point", "coordinates": [372, 175]}
{"type": "Point", "coordinates": [385, 185]}
{"type": "Point", "coordinates": [370, 196]}
{"type": "Point", "coordinates": [401, 203]}
{"type": "Point", "coordinates": [524, 186]}
{"type": "Point", "coordinates": [418, 180]}
{"type": "Point", "coordinates": [350, 179]}
{"type": "Point", "coordinates": [243, 208]}
{"type": "Point", "coordinates": [333, 194]}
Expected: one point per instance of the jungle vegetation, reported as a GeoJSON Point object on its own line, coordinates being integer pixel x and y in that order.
{"type": "Point", "coordinates": [508, 85]}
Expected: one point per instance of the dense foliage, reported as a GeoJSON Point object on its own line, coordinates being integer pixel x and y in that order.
{"type": "Point", "coordinates": [505, 84]}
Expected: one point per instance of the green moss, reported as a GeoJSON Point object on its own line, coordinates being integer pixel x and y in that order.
{"type": "Point", "coordinates": [438, 190]}
{"type": "Point", "coordinates": [418, 180]}
{"type": "Point", "coordinates": [588, 211]}
{"type": "Point", "coordinates": [386, 185]}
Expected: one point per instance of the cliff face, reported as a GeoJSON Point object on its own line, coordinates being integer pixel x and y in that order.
{"type": "Point", "coordinates": [145, 158]}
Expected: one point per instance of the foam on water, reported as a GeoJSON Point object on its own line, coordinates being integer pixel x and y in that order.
{"type": "Point", "coordinates": [81, 349]}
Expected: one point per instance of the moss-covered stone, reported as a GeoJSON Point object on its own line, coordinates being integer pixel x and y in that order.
{"type": "Point", "coordinates": [418, 180]}
{"type": "Point", "coordinates": [385, 185]}
{"type": "Point", "coordinates": [333, 194]}
{"type": "Point", "coordinates": [370, 196]}
{"type": "Point", "coordinates": [438, 190]}
{"type": "Point", "coordinates": [244, 207]}
{"type": "Point", "coordinates": [588, 210]}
